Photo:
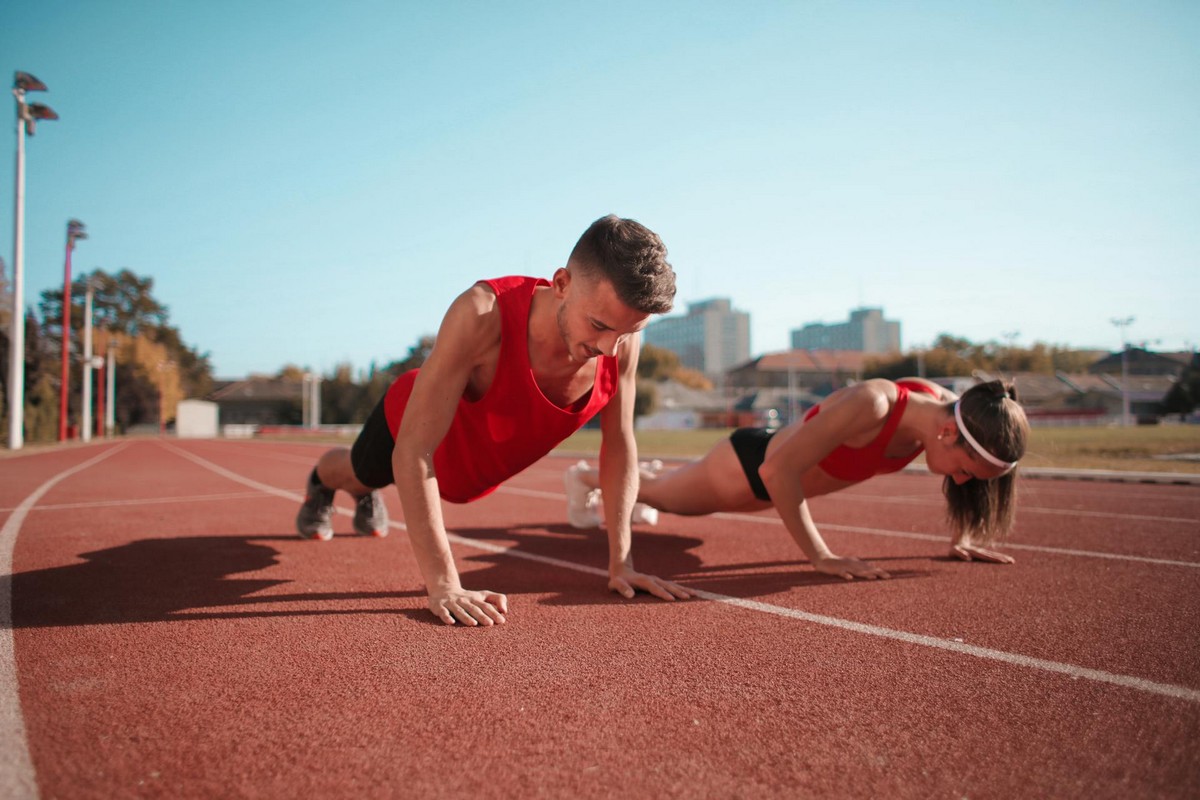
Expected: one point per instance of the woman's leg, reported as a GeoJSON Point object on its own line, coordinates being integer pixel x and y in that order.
{"type": "Point", "coordinates": [714, 483]}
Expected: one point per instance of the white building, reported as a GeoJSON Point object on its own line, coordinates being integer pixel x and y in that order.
{"type": "Point", "coordinates": [711, 337]}
{"type": "Point", "coordinates": [867, 331]}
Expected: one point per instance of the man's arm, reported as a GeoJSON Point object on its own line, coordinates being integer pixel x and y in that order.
{"type": "Point", "coordinates": [469, 332]}
{"type": "Point", "coordinates": [619, 482]}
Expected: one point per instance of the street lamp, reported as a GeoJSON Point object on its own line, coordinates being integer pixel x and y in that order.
{"type": "Point", "coordinates": [89, 362]}
{"type": "Point", "coordinates": [27, 116]}
{"type": "Point", "coordinates": [1122, 324]}
{"type": "Point", "coordinates": [75, 231]}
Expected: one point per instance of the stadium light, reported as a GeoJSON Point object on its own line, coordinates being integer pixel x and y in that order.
{"type": "Point", "coordinates": [27, 116]}
{"type": "Point", "coordinates": [75, 231]}
{"type": "Point", "coordinates": [1122, 323]}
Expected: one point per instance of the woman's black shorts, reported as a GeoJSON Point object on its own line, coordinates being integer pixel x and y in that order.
{"type": "Point", "coordinates": [750, 444]}
{"type": "Point", "coordinates": [371, 454]}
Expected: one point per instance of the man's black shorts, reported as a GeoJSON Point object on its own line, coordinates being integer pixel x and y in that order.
{"type": "Point", "coordinates": [371, 454]}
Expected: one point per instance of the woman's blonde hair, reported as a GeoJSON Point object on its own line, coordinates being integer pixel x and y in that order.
{"type": "Point", "coordinates": [986, 509]}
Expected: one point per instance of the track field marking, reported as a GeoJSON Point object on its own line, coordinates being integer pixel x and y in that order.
{"type": "Point", "coordinates": [852, 496]}
{"type": "Point", "coordinates": [1025, 509]}
{"type": "Point", "coordinates": [1016, 659]}
{"type": "Point", "coordinates": [17, 776]}
{"type": "Point", "coordinates": [925, 537]}
{"type": "Point", "coordinates": [930, 537]}
{"type": "Point", "coordinates": [148, 501]}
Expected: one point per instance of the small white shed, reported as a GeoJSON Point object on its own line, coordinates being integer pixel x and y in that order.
{"type": "Point", "coordinates": [196, 419]}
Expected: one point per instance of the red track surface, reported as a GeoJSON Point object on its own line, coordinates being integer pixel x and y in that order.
{"type": "Point", "coordinates": [173, 638]}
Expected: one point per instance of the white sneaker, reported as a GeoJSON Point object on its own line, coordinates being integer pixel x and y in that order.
{"type": "Point", "coordinates": [644, 515]}
{"type": "Point", "coordinates": [578, 497]}
{"type": "Point", "coordinates": [650, 468]}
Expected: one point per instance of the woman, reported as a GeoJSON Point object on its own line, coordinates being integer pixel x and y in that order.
{"type": "Point", "coordinates": [871, 428]}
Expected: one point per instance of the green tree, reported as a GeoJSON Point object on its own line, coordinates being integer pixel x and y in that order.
{"type": "Point", "coordinates": [645, 398]}
{"type": "Point", "coordinates": [417, 354]}
{"type": "Point", "coordinates": [125, 309]}
{"type": "Point", "coordinates": [1184, 396]}
{"type": "Point", "coordinates": [657, 363]}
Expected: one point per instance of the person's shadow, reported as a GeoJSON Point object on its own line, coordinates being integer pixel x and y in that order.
{"type": "Point", "coordinates": [665, 555]}
{"type": "Point", "coordinates": [188, 578]}
{"type": "Point", "coordinates": [156, 580]}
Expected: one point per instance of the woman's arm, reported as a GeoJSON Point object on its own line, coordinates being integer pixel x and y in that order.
{"type": "Point", "coordinates": [862, 408]}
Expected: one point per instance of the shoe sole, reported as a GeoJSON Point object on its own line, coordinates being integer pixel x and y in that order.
{"type": "Point", "coordinates": [321, 536]}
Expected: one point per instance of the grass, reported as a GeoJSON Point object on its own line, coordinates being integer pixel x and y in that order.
{"type": "Point", "coordinates": [1135, 448]}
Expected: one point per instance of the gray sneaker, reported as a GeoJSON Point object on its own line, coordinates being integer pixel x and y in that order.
{"type": "Point", "coordinates": [315, 519]}
{"type": "Point", "coordinates": [370, 516]}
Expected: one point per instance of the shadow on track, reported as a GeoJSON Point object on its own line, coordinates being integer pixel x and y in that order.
{"type": "Point", "coordinates": [666, 555]}
{"type": "Point", "coordinates": [158, 580]}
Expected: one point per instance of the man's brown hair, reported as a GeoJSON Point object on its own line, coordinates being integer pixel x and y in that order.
{"type": "Point", "coordinates": [632, 258]}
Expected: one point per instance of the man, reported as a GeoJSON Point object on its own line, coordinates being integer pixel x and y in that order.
{"type": "Point", "coordinates": [519, 364]}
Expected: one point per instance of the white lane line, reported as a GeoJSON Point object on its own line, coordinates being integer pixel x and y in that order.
{"type": "Point", "coordinates": [853, 496]}
{"type": "Point", "coordinates": [929, 537]}
{"type": "Point", "coordinates": [1072, 670]}
{"type": "Point", "coordinates": [925, 537]}
{"type": "Point", "coordinates": [1026, 509]}
{"type": "Point", "coordinates": [148, 501]}
{"type": "Point", "coordinates": [17, 777]}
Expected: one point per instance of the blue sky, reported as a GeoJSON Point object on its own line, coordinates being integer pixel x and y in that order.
{"type": "Point", "coordinates": [312, 183]}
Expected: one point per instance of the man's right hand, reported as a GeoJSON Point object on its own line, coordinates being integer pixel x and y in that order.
{"type": "Point", "coordinates": [849, 568]}
{"type": "Point", "coordinates": [469, 607]}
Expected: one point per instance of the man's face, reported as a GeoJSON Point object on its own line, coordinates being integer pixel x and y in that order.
{"type": "Point", "coordinates": [591, 318]}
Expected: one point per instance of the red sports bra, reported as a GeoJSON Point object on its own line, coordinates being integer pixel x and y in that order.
{"type": "Point", "coordinates": [859, 463]}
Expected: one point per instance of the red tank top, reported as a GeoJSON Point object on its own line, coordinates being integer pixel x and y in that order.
{"type": "Point", "coordinates": [513, 424]}
{"type": "Point", "coordinates": [859, 463]}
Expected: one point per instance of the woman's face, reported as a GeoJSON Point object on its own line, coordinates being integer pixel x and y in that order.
{"type": "Point", "coordinates": [959, 461]}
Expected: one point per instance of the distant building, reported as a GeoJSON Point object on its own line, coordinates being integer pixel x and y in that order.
{"type": "Point", "coordinates": [258, 401]}
{"type": "Point", "coordinates": [817, 371]}
{"type": "Point", "coordinates": [1139, 361]}
{"type": "Point", "coordinates": [867, 331]}
{"type": "Point", "coordinates": [711, 337]}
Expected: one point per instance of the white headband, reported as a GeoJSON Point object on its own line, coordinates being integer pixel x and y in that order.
{"type": "Point", "coordinates": [962, 428]}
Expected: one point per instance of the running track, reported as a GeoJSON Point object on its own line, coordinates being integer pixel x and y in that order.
{"type": "Point", "coordinates": [165, 634]}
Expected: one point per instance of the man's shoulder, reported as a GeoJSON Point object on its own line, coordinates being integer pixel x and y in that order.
{"type": "Point", "coordinates": [509, 283]}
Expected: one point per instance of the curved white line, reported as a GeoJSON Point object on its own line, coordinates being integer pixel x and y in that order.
{"type": "Point", "coordinates": [17, 776]}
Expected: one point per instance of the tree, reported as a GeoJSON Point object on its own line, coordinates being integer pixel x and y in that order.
{"type": "Point", "coordinates": [645, 398]}
{"type": "Point", "coordinates": [417, 354]}
{"type": "Point", "coordinates": [153, 362]}
{"type": "Point", "coordinates": [657, 363]}
{"type": "Point", "coordinates": [1184, 396]}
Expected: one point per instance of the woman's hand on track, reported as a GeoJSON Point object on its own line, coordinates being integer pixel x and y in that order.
{"type": "Point", "coordinates": [849, 568]}
{"type": "Point", "coordinates": [627, 581]}
{"type": "Point", "coordinates": [969, 552]}
{"type": "Point", "coordinates": [469, 607]}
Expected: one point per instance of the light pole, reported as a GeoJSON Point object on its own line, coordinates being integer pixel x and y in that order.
{"type": "Point", "coordinates": [75, 231]}
{"type": "Point", "coordinates": [110, 375]}
{"type": "Point", "coordinates": [90, 362]}
{"type": "Point", "coordinates": [1122, 324]}
{"type": "Point", "coordinates": [27, 116]}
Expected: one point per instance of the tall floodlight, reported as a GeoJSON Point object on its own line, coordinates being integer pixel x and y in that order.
{"type": "Point", "coordinates": [75, 232]}
{"type": "Point", "coordinates": [1124, 323]}
{"type": "Point", "coordinates": [85, 422]}
{"type": "Point", "coordinates": [110, 376]}
{"type": "Point", "coordinates": [27, 116]}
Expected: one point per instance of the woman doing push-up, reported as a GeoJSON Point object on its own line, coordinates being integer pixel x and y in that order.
{"type": "Point", "coordinates": [871, 428]}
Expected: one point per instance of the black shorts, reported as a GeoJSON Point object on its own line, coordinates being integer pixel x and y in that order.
{"type": "Point", "coordinates": [371, 454]}
{"type": "Point", "coordinates": [750, 444]}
